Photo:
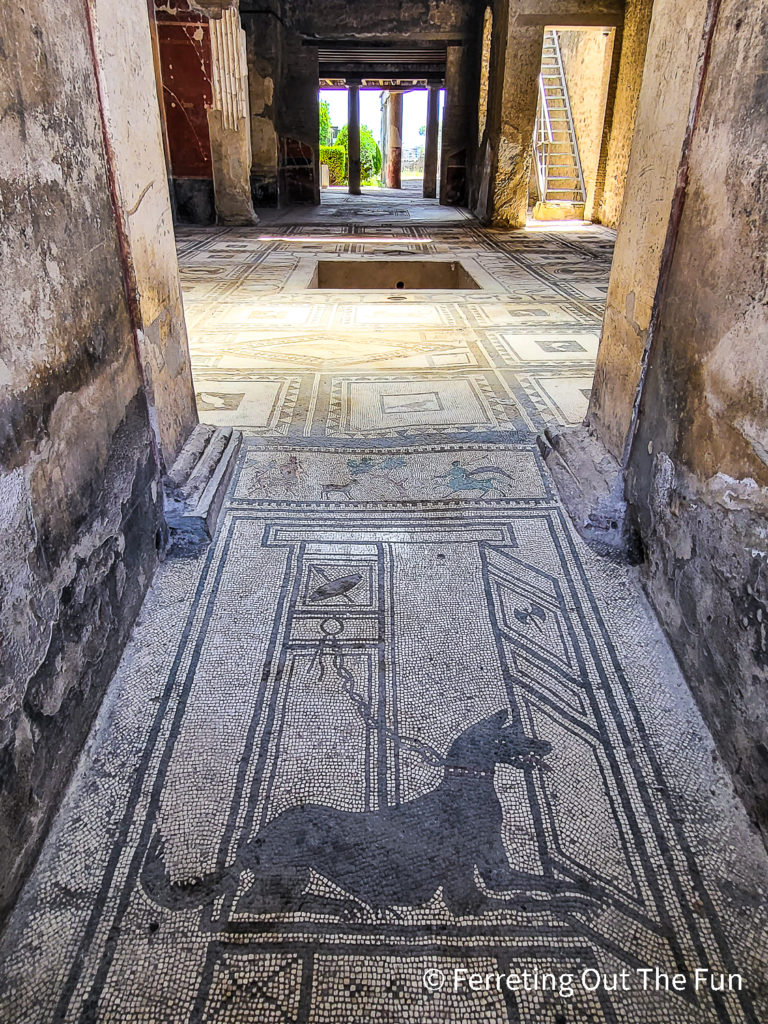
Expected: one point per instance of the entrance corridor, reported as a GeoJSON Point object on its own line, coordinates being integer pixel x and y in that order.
{"type": "Point", "coordinates": [398, 724]}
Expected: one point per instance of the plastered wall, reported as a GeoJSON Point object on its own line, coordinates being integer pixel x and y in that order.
{"type": "Point", "coordinates": [698, 470]}
{"type": "Point", "coordinates": [586, 55]}
{"type": "Point", "coordinates": [96, 395]}
{"type": "Point", "coordinates": [634, 41]}
{"type": "Point", "coordinates": [132, 112]}
{"type": "Point", "coordinates": [80, 514]}
{"type": "Point", "coordinates": [663, 106]}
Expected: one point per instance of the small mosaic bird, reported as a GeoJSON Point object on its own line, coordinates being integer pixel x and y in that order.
{"type": "Point", "coordinates": [531, 616]}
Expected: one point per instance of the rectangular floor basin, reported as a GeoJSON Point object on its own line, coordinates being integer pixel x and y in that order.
{"type": "Point", "coordinates": [391, 275]}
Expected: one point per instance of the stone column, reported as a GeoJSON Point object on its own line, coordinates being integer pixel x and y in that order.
{"type": "Point", "coordinates": [394, 139]}
{"type": "Point", "coordinates": [353, 138]}
{"type": "Point", "coordinates": [229, 121]}
{"type": "Point", "coordinates": [384, 140]}
{"type": "Point", "coordinates": [512, 173]}
{"type": "Point", "coordinates": [430, 144]}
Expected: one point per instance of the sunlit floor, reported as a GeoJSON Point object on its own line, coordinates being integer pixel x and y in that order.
{"type": "Point", "coordinates": [398, 747]}
{"type": "Point", "coordinates": [277, 358]}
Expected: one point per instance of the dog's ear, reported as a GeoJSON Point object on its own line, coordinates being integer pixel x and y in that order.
{"type": "Point", "coordinates": [500, 717]}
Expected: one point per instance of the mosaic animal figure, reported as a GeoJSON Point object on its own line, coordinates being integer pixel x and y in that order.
{"type": "Point", "coordinates": [336, 490]}
{"type": "Point", "coordinates": [380, 469]}
{"type": "Point", "coordinates": [290, 471]}
{"type": "Point", "coordinates": [484, 479]}
{"type": "Point", "coordinates": [366, 464]}
{"type": "Point", "coordinates": [393, 857]}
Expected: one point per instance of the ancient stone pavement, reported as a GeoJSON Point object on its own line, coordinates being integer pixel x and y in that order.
{"type": "Point", "coordinates": [398, 724]}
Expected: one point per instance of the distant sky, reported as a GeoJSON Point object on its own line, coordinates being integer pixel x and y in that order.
{"type": "Point", "coordinates": [414, 112]}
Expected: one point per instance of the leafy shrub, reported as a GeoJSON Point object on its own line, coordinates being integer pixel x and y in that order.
{"type": "Point", "coordinates": [370, 154]}
{"type": "Point", "coordinates": [336, 158]}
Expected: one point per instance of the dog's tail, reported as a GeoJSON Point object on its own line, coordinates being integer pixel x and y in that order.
{"type": "Point", "coordinates": [194, 892]}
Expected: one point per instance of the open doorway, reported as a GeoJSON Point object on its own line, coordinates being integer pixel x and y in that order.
{"type": "Point", "coordinates": [334, 138]}
{"type": "Point", "coordinates": [574, 84]}
{"type": "Point", "coordinates": [399, 130]}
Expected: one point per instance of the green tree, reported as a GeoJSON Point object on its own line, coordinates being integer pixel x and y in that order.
{"type": "Point", "coordinates": [370, 154]}
{"type": "Point", "coordinates": [325, 123]}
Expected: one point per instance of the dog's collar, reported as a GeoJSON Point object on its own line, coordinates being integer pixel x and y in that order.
{"type": "Point", "coordinates": [458, 772]}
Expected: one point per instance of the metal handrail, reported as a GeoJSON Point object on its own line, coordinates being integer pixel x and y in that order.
{"type": "Point", "coordinates": [543, 138]}
{"type": "Point", "coordinates": [545, 109]}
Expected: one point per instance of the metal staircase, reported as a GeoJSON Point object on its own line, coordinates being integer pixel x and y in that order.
{"type": "Point", "coordinates": [556, 153]}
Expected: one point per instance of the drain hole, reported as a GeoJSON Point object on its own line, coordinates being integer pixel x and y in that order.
{"type": "Point", "coordinates": [400, 284]}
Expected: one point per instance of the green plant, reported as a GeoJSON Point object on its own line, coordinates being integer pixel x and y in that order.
{"type": "Point", "coordinates": [336, 158]}
{"type": "Point", "coordinates": [326, 129]}
{"type": "Point", "coordinates": [370, 154]}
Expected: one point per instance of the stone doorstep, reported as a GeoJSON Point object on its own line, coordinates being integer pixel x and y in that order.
{"type": "Point", "coordinates": [590, 484]}
{"type": "Point", "coordinates": [196, 485]}
{"type": "Point", "coordinates": [557, 210]}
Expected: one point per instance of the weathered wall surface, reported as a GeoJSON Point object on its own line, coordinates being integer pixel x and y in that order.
{"type": "Point", "coordinates": [482, 170]}
{"type": "Point", "coordinates": [586, 57]}
{"type": "Point", "coordinates": [698, 474]}
{"type": "Point", "coordinates": [518, 113]}
{"type": "Point", "coordinates": [79, 496]}
{"type": "Point", "coordinates": [651, 178]}
{"type": "Point", "coordinates": [459, 134]}
{"type": "Point", "coordinates": [297, 123]}
{"type": "Point", "coordinates": [334, 19]}
{"type": "Point", "coordinates": [634, 41]}
{"type": "Point", "coordinates": [558, 13]}
{"type": "Point", "coordinates": [185, 60]}
{"type": "Point", "coordinates": [124, 49]}
{"type": "Point", "coordinates": [485, 70]}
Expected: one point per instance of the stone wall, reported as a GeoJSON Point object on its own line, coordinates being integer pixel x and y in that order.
{"type": "Point", "coordinates": [698, 470]}
{"type": "Point", "coordinates": [80, 503]}
{"type": "Point", "coordinates": [661, 122]}
{"type": "Point", "coordinates": [132, 111]}
{"type": "Point", "coordinates": [459, 132]}
{"type": "Point", "coordinates": [482, 169]}
{"type": "Point", "coordinates": [263, 34]}
{"type": "Point", "coordinates": [297, 123]}
{"type": "Point", "coordinates": [501, 168]}
{"type": "Point", "coordinates": [333, 19]}
{"type": "Point", "coordinates": [185, 66]}
{"type": "Point", "coordinates": [586, 57]}
{"type": "Point", "coordinates": [634, 41]}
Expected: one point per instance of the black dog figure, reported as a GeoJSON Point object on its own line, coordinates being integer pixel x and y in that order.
{"type": "Point", "coordinates": [398, 856]}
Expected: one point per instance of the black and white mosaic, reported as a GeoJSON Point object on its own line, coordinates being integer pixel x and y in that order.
{"type": "Point", "coordinates": [398, 728]}
{"type": "Point", "coordinates": [372, 736]}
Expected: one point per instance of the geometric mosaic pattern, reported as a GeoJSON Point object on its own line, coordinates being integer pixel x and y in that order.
{"type": "Point", "coordinates": [398, 746]}
{"type": "Point", "coordinates": [515, 357]}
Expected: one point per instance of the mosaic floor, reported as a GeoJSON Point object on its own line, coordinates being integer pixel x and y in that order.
{"type": "Point", "coordinates": [398, 747]}
{"type": "Point", "coordinates": [278, 359]}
